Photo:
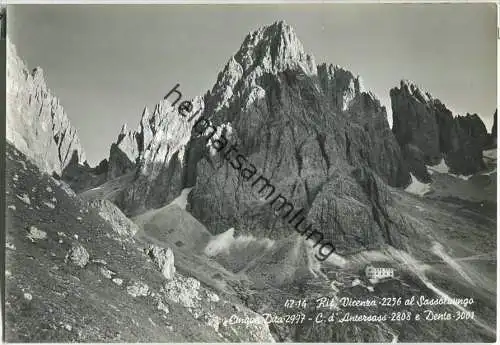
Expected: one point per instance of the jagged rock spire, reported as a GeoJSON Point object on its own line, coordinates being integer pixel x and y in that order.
{"type": "Point", "coordinates": [340, 85]}
{"type": "Point", "coordinates": [36, 122]}
{"type": "Point", "coordinates": [270, 49]}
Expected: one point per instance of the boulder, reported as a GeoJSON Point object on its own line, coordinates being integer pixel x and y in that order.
{"type": "Point", "coordinates": [163, 258]}
{"type": "Point", "coordinates": [78, 255]}
{"type": "Point", "coordinates": [184, 291]}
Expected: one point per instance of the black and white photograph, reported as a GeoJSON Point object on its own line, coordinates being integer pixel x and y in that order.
{"type": "Point", "coordinates": [250, 172]}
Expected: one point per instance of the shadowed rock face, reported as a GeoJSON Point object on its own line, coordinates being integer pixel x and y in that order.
{"type": "Point", "coordinates": [466, 153]}
{"type": "Point", "coordinates": [373, 143]}
{"type": "Point", "coordinates": [81, 177]}
{"type": "Point", "coordinates": [415, 126]}
{"type": "Point", "coordinates": [36, 121]}
{"type": "Point", "coordinates": [428, 132]}
{"type": "Point", "coordinates": [156, 150]}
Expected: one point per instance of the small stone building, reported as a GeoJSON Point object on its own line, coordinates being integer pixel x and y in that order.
{"type": "Point", "coordinates": [379, 271]}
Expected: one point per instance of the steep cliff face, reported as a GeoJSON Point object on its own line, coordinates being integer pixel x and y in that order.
{"type": "Point", "coordinates": [157, 152]}
{"type": "Point", "coordinates": [466, 154]}
{"type": "Point", "coordinates": [374, 144]}
{"type": "Point", "coordinates": [36, 122]}
{"type": "Point", "coordinates": [428, 132]}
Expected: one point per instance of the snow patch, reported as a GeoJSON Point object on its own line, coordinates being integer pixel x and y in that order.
{"type": "Point", "coordinates": [416, 187]}
{"type": "Point", "coordinates": [463, 177]}
{"type": "Point", "coordinates": [442, 168]}
{"type": "Point", "coordinates": [222, 243]}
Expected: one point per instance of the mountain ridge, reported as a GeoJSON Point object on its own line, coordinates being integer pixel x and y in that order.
{"type": "Point", "coordinates": [36, 121]}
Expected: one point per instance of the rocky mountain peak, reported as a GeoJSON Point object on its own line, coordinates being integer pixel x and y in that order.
{"type": "Point", "coordinates": [271, 49]}
{"type": "Point", "coordinates": [274, 48]}
{"type": "Point", "coordinates": [414, 90]}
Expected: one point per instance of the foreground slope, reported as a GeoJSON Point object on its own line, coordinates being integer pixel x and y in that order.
{"type": "Point", "coordinates": [55, 292]}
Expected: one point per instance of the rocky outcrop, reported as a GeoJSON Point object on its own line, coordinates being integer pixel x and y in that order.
{"type": "Point", "coordinates": [124, 153]}
{"type": "Point", "coordinates": [163, 258]}
{"type": "Point", "coordinates": [36, 121]}
{"type": "Point", "coordinates": [114, 216]}
{"type": "Point", "coordinates": [427, 132]}
{"type": "Point", "coordinates": [415, 126]}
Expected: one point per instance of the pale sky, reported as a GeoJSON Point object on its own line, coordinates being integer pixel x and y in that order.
{"type": "Point", "coordinates": [106, 62]}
